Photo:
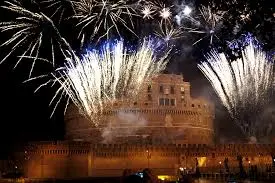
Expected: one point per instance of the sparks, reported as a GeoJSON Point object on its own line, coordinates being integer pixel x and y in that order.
{"type": "Point", "coordinates": [100, 78]}
{"type": "Point", "coordinates": [165, 13]}
{"type": "Point", "coordinates": [104, 16]}
{"type": "Point", "coordinates": [210, 22]}
{"type": "Point", "coordinates": [147, 11]}
{"type": "Point", "coordinates": [58, 7]}
{"type": "Point", "coordinates": [31, 28]}
{"type": "Point", "coordinates": [242, 85]}
{"type": "Point", "coordinates": [167, 32]}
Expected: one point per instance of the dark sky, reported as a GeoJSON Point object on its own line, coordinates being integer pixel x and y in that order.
{"type": "Point", "coordinates": [26, 116]}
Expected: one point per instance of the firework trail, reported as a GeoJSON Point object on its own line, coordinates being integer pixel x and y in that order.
{"type": "Point", "coordinates": [100, 78]}
{"type": "Point", "coordinates": [167, 32]}
{"type": "Point", "coordinates": [103, 15]}
{"type": "Point", "coordinates": [162, 14]}
{"type": "Point", "coordinates": [59, 7]}
{"type": "Point", "coordinates": [208, 24]}
{"type": "Point", "coordinates": [242, 85]}
{"type": "Point", "coordinates": [30, 31]}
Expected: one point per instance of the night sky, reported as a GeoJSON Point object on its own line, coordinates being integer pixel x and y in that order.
{"type": "Point", "coordinates": [25, 116]}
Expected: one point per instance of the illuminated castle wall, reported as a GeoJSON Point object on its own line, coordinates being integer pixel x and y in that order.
{"type": "Point", "coordinates": [164, 129]}
{"type": "Point", "coordinates": [82, 159]}
{"type": "Point", "coordinates": [163, 112]}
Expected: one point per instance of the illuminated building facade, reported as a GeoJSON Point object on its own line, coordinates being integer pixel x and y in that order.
{"type": "Point", "coordinates": [164, 129]}
{"type": "Point", "coordinates": [163, 112]}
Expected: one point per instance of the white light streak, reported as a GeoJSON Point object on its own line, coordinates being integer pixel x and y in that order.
{"type": "Point", "coordinates": [148, 11]}
{"type": "Point", "coordinates": [165, 13]}
{"type": "Point", "coordinates": [100, 78]}
{"type": "Point", "coordinates": [103, 16]}
{"type": "Point", "coordinates": [242, 85]}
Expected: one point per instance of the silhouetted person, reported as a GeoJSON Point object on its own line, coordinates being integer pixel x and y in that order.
{"type": "Point", "coordinates": [226, 165]}
{"type": "Point", "coordinates": [148, 176]}
{"type": "Point", "coordinates": [197, 170]}
{"type": "Point", "coordinates": [242, 172]}
{"type": "Point", "coordinates": [186, 178]}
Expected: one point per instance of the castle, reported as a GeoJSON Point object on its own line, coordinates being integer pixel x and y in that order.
{"type": "Point", "coordinates": [164, 129]}
{"type": "Point", "coordinates": [162, 113]}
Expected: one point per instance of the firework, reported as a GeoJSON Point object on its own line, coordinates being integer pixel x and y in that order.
{"type": "Point", "coordinates": [148, 11]}
{"type": "Point", "coordinates": [59, 7]}
{"type": "Point", "coordinates": [208, 24]}
{"type": "Point", "coordinates": [242, 85]}
{"type": "Point", "coordinates": [183, 12]}
{"type": "Point", "coordinates": [103, 16]}
{"type": "Point", "coordinates": [167, 32]}
{"type": "Point", "coordinates": [100, 78]}
{"type": "Point", "coordinates": [165, 13]}
{"type": "Point", "coordinates": [30, 31]}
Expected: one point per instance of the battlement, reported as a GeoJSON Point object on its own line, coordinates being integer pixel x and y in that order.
{"type": "Point", "coordinates": [68, 159]}
{"type": "Point", "coordinates": [68, 147]}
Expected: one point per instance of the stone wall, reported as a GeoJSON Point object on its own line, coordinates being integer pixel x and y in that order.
{"type": "Point", "coordinates": [77, 159]}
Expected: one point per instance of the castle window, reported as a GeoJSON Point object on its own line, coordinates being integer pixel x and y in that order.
{"type": "Point", "coordinates": [149, 88]}
{"type": "Point", "coordinates": [164, 101]}
{"type": "Point", "coordinates": [182, 98]}
{"type": "Point", "coordinates": [199, 106]}
{"type": "Point", "coordinates": [167, 101]}
{"type": "Point", "coordinates": [149, 97]}
{"type": "Point", "coordinates": [193, 105]}
{"type": "Point", "coordinates": [161, 88]}
{"type": "Point", "coordinates": [172, 102]}
{"type": "Point", "coordinates": [161, 101]}
{"type": "Point", "coordinates": [135, 103]}
{"type": "Point", "coordinates": [172, 90]}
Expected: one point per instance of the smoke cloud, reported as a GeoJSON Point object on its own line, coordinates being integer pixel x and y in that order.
{"type": "Point", "coordinates": [124, 124]}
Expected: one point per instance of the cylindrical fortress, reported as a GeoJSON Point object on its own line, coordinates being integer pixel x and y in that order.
{"type": "Point", "coordinates": [163, 112]}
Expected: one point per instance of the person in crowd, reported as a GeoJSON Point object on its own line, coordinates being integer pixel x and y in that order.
{"type": "Point", "coordinates": [148, 176]}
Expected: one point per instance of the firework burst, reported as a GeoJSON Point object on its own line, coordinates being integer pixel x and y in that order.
{"type": "Point", "coordinates": [103, 16]}
{"type": "Point", "coordinates": [208, 24]}
{"type": "Point", "coordinates": [242, 85]}
{"type": "Point", "coordinates": [100, 78]}
{"type": "Point", "coordinates": [59, 7]}
{"type": "Point", "coordinates": [167, 32]}
{"type": "Point", "coordinates": [30, 29]}
{"type": "Point", "coordinates": [148, 11]}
